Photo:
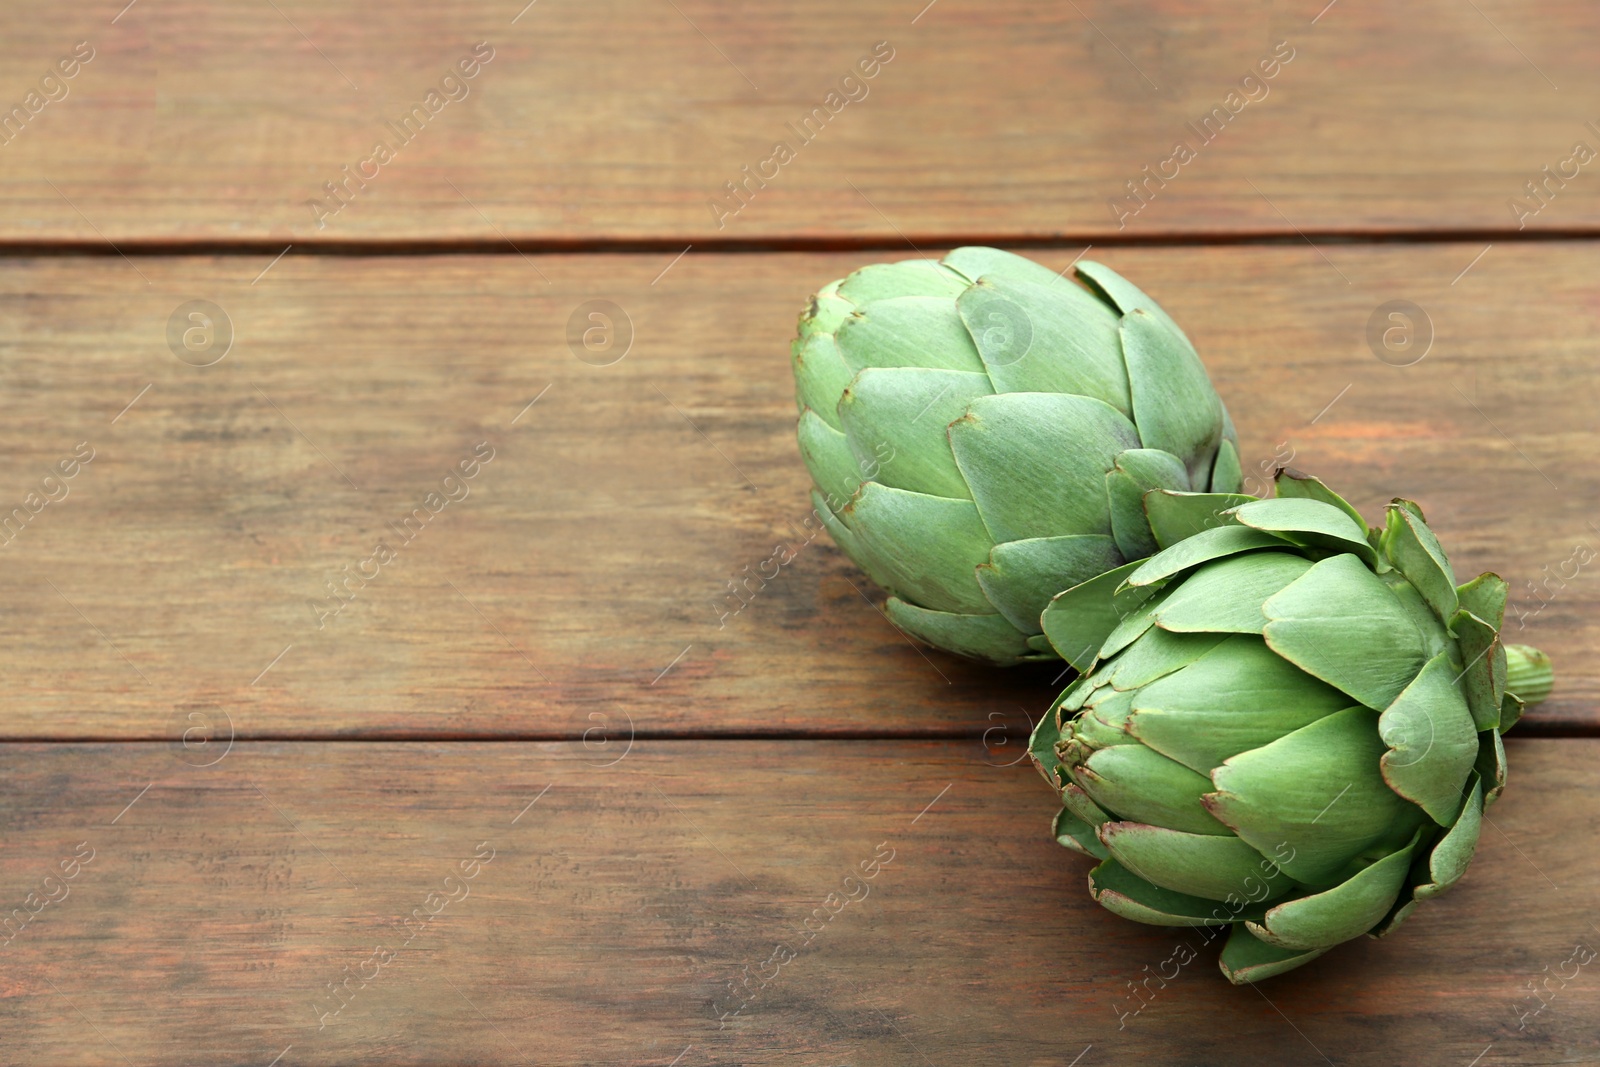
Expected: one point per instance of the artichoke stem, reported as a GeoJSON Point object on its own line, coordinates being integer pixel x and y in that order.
{"type": "Point", "coordinates": [1529, 674]}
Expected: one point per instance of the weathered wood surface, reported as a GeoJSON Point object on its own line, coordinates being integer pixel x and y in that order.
{"type": "Point", "coordinates": [218, 121]}
{"type": "Point", "coordinates": [581, 584]}
{"type": "Point", "coordinates": [221, 902]}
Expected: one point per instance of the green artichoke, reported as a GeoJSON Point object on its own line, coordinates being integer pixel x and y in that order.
{"type": "Point", "coordinates": [980, 432]}
{"type": "Point", "coordinates": [1286, 724]}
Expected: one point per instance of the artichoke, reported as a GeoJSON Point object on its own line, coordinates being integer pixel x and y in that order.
{"type": "Point", "coordinates": [1286, 724]}
{"type": "Point", "coordinates": [980, 432]}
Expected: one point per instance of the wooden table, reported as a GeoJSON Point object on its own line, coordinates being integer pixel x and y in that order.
{"type": "Point", "coordinates": [531, 792]}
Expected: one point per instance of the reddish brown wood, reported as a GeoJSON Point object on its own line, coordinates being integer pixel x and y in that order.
{"type": "Point", "coordinates": [201, 120]}
{"type": "Point", "coordinates": [209, 891]}
{"type": "Point", "coordinates": [593, 550]}
{"type": "Point", "coordinates": [617, 909]}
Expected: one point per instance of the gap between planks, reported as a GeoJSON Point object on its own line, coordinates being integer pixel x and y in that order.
{"type": "Point", "coordinates": [523, 244]}
{"type": "Point", "coordinates": [1543, 730]}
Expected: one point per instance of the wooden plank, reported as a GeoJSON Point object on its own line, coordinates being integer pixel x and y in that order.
{"type": "Point", "coordinates": [611, 916]}
{"type": "Point", "coordinates": [582, 584]}
{"type": "Point", "coordinates": [199, 120]}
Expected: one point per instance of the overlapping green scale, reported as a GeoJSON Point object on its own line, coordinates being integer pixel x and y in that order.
{"type": "Point", "coordinates": [1017, 418]}
{"type": "Point", "coordinates": [1037, 462]}
{"type": "Point", "coordinates": [1147, 787]}
{"type": "Point", "coordinates": [1173, 402]}
{"type": "Point", "coordinates": [1200, 865]}
{"type": "Point", "coordinates": [1018, 575]}
{"type": "Point", "coordinates": [907, 331]}
{"type": "Point", "coordinates": [894, 418]}
{"type": "Point", "coordinates": [1239, 696]}
{"type": "Point", "coordinates": [1016, 323]}
{"type": "Point", "coordinates": [1228, 597]}
{"type": "Point", "coordinates": [1285, 722]}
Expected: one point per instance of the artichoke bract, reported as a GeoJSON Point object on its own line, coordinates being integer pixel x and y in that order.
{"type": "Point", "coordinates": [981, 430]}
{"type": "Point", "coordinates": [1286, 724]}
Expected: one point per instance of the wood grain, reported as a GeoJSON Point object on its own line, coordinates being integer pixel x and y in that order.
{"type": "Point", "coordinates": [614, 912]}
{"type": "Point", "coordinates": [207, 121]}
{"type": "Point", "coordinates": [581, 585]}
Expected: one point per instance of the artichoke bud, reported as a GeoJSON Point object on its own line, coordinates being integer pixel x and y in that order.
{"type": "Point", "coordinates": [980, 432]}
{"type": "Point", "coordinates": [1285, 723]}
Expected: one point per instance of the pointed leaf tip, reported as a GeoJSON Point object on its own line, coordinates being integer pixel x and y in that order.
{"type": "Point", "coordinates": [1079, 620]}
{"type": "Point", "coordinates": [1414, 551]}
{"type": "Point", "coordinates": [1293, 483]}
